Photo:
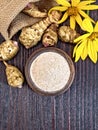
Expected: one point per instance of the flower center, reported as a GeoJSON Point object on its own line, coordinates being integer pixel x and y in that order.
{"type": "Point", "coordinates": [72, 11]}
{"type": "Point", "coordinates": [93, 35]}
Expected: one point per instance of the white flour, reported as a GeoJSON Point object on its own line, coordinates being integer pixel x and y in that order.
{"type": "Point", "coordinates": [50, 71]}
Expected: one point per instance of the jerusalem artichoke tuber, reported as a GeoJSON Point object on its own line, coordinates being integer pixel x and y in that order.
{"type": "Point", "coordinates": [14, 76]}
{"type": "Point", "coordinates": [8, 49]}
{"type": "Point", "coordinates": [32, 10]}
{"type": "Point", "coordinates": [30, 36]}
{"type": "Point", "coordinates": [66, 34]}
{"type": "Point", "coordinates": [50, 36]}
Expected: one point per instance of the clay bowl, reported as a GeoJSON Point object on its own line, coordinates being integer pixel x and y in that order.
{"type": "Point", "coordinates": [37, 53]}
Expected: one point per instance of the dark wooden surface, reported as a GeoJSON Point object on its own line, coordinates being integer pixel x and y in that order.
{"type": "Point", "coordinates": [76, 109]}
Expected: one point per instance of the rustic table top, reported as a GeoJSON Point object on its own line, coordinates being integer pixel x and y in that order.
{"type": "Point", "coordinates": [76, 109]}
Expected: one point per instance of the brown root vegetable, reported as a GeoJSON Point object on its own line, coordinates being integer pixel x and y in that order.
{"type": "Point", "coordinates": [50, 36]}
{"type": "Point", "coordinates": [32, 10]}
{"type": "Point", "coordinates": [55, 16]}
{"type": "Point", "coordinates": [66, 34]}
{"type": "Point", "coordinates": [30, 36]}
{"type": "Point", "coordinates": [14, 76]}
{"type": "Point", "coordinates": [8, 50]}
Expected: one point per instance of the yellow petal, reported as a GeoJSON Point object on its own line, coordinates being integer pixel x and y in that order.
{"type": "Point", "coordinates": [87, 25]}
{"type": "Point", "coordinates": [86, 16]}
{"type": "Point", "coordinates": [79, 51]}
{"type": "Point", "coordinates": [96, 27]}
{"type": "Point", "coordinates": [83, 3]}
{"type": "Point", "coordinates": [63, 2]}
{"type": "Point", "coordinates": [92, 52]}
{"type": "Point", "coordinates": [59, 8]}
{"type": "Point", "coordinates": [72, 22]}
{"type": "Point", "coordinates": [75, 2]}
{"type": "Point", "coordinates": [75, 48]}
{"type": "Point", "coordinates": [78, 19]}
{"type": "Point", "coordinates": [95, 43]}
{"type": "Point", "coordinates": [82, 37]}
{"type": "Point", "coordinates": [89, 7]}
{"type": "Point", "coordinates": [89, 49]}
{"type": "Point", "coordinates": [65, 16]}
{"type": "Point", "coordinates": [84, 52]}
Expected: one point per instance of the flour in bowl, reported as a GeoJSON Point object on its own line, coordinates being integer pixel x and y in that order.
{"type": "Point", "coordinates": [50, 71]}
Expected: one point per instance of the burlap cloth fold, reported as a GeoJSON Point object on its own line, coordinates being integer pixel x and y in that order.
{"type": "Point", "coordinates": [12, 19]}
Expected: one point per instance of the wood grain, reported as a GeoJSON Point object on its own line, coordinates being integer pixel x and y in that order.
{"type": "Point", "coordinates": [76, 109]}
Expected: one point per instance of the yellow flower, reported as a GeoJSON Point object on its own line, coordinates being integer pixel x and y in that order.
{"type": "Point", "coordinates": [74, 10]}
{"type": "Point", "coordinates": [87, 44]}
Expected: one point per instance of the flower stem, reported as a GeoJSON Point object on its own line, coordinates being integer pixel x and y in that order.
{"type": "Point", "coordinates": [88, 12]}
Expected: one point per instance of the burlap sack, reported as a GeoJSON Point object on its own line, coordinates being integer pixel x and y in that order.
{"type": "Point", "coordinates": [20, 21]}
{"type": "Point", "coordinates": [12, 19]}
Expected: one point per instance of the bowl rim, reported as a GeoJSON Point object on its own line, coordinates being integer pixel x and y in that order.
{"type": "Point", "coordinates": [37, 53]}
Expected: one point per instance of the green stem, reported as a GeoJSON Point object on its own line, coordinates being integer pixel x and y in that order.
{"type": "Point", "coordinates": [88, 12]}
